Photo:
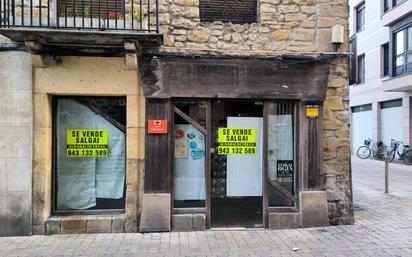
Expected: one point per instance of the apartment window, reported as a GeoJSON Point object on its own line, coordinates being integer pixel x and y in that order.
{"type": "Point", "coordinates": [352, 61]}
{"type": "Point", "coordinates": [361, 69]}
{"type": "Point", "coordinates": [385, 59]}
{"type": "Point", "coordinates": [389, 4]}
{"type": "Point", "coordinates": [233, 11]}
{"type": "Point", "coordinates": [360, 17]}
{"type": "Point", "coordinates": [402, 51]}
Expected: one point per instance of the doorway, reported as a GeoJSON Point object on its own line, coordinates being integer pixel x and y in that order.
{"type": "Point", "coordinates": [233, 160]}
{"type": "Point", "coordinates": [236, 178]}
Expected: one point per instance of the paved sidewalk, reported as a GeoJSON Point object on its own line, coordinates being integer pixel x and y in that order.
{"type": "Point", "coordinates": [383, 228]}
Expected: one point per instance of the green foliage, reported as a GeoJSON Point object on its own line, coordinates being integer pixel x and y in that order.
{"type": "Point", "coordinates": [87, 11]}
{"type": "Point", "coordinates": [137, 16]}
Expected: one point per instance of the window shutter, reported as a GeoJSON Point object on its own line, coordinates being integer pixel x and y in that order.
{"type": "Point", "coordinates": [235, 11]}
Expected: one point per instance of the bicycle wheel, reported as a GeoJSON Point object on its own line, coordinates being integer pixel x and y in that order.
{"type": "Point", "coordinates": [363, 152]}
{"type": "Point", "coordinates": [391, 155]}
{"type": "Point", "coordinates": [407, 159]}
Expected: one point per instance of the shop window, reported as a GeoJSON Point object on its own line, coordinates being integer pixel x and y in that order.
{"type": "Point", "coordinates": [90, 153]}
{"type": "Point", "coordinates": [362, 108]}
{"type": "Point", "coordinates": [189, 162]}
{"type": "Point", "coordinates": [402, 51]}
{"type": "Point", "coordinates": [233, 11]}
{"type": "Point", "coordinates": [281, 154]}
{"type": "Point", "coordinates": [360, 17]}
{"type": "Point", "coordinates": [361, 69]}
{"type": "Point", "coordinates": [391, 104]}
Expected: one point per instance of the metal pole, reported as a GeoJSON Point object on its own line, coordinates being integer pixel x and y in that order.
{"type": "Point", "coordinates": [386, 175]}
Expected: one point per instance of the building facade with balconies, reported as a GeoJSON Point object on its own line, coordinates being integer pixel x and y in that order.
{"type": "Point", "coordinates": [380, 91]}
{"type": "Point", "coordinates": [124, 116]}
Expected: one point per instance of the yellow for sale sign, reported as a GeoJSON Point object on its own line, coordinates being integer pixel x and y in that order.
{"type": "Point", "coordinates": [87, 143]}
{"type": "Point", "coordinates": [236, 141]}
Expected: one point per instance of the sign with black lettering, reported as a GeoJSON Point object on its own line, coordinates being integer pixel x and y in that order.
{"type": "Point", "coordinates": [87, 143]}
{"type": "Point", "coordinates": [237, 141]}
{"type": "Point", "coordinates": [285, 169]}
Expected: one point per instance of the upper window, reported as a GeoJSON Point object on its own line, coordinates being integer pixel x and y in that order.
{"type": "Point", "coordinates": [361, 69]}
{"type": "Point", "coordinates": [389, 4]}
{"type": "Point", "coordinates": [228, 11]}
{"type": "Point", "coordinates": [385, 59]}
{"type": "Point", "coordinates": [402, 51]}
{"type": "Point", "coordinates": [360, 17]}
{"type": "Point", "coordinates": [352, 61]}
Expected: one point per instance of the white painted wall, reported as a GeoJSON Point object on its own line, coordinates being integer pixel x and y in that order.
{"type": "Point", "coordinates": [369, 42]}
{"type": "Point", "coordinates": [361, 128]}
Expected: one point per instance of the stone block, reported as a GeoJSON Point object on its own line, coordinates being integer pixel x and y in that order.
{"type": "Point", "coordinates": [182, 222]}
{"type": "Point", "coordinates": [284, 220]}
{"type": "Point", "coordinates": [3, 106]}
{"type": "Point", "coordinates": [15, 216]}
{"type": "Point", "coordinates": [155, 215]}
{"type": "Point", "coordinates": [42, 113]}
{"type": "Point", "coordinates": [19, 107]}
{"type": "Point", "coordinates": [199, 222]}
{"type": "Point", "coordinates": [73, 225]}
{"type": "Point", "coordinates": [99, 225]}
{"type": "Point", "coordinates": [53, 226]}
{"type": "Point", "coordinates": [18, 174]}
{"type": "Point", "coordinates": [314, 209]}
{"type": "Point", "coordinates": [15, 142]}
{"type": "Point", "coordinates": [118, 224]}
{"type": "Point", "coordinates": [3, 178]}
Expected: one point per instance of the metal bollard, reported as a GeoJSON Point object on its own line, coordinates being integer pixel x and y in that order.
{"type": "Point", "coordinates": [386, 175]}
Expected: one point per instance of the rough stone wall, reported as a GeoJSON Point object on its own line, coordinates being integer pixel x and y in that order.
{"type": "Point", "coordinates": [282, 27]}
{"type": "Point", "coordinates": [15, 142]}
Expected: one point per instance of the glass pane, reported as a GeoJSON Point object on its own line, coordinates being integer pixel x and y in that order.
{"type": "Point", "coordinates": [409, 58]}
{"type": "Point", "coordinates": [400, 44]}
{"type": "Point", "coordinates": [361, 69]}
{"type": "Point", "coordinates": [281, 172]}
{"type": "Point", "coordinates": [91, 155]}
{"type": "Point", "coordinates": [189, 156]}
{"type": "Point", "coordinates": [400, 60]}
{"type": "Point", "coordinates": [360, 18]}
{"type": "Point", "coordinates": [409, 39]}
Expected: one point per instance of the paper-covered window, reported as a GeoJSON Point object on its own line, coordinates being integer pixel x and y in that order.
{"type": "Point", "coordinates": [89, 153]}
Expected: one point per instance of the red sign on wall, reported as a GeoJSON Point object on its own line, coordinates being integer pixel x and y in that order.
{"type": "Point", "coordinates": [157, 126]}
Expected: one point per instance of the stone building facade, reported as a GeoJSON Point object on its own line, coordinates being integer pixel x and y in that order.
{"type": "Point", "coordinates": [195, 78]}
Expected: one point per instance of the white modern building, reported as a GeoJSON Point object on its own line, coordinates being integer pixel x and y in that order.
{"type": "Point", "coordinates": [381, 70]}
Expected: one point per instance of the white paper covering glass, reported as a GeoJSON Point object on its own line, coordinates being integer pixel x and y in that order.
{"type": "Point", "coordinates": [81, 180]}
{"type": "Point", "coordinates": [189, 163]}
{"type": "Point", "coordinates": [244, 172]}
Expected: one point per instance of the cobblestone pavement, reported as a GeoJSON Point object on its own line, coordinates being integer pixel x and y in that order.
{"type": "Point", "coordinates": [383, 228]}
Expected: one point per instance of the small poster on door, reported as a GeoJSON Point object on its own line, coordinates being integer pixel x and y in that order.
{"type": "Point", "coordinates": [181, 148]}
{"type": "Point", "coordinates": [284, 168]}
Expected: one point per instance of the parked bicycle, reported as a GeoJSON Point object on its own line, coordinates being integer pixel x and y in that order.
{"type": "Point", "coordinates": [405, 155]}
{"type": "Point", "coordinates": [378, 150]}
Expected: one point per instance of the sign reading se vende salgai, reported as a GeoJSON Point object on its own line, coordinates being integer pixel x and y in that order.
{"type": "Point", "coordinates": [237, 141]}
{"type": "Point", "coordinates": [87, 143]}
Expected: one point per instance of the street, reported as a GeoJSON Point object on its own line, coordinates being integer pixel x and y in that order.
{"type": "Point", "coordinates": [383, 228]}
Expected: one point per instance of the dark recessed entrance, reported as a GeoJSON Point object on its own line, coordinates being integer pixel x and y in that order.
{"type": "Point", "coordinates": [236, 180]}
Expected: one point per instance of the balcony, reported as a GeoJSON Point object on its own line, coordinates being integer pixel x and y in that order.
{"type": "Point", "coordinates": [81, 23]}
